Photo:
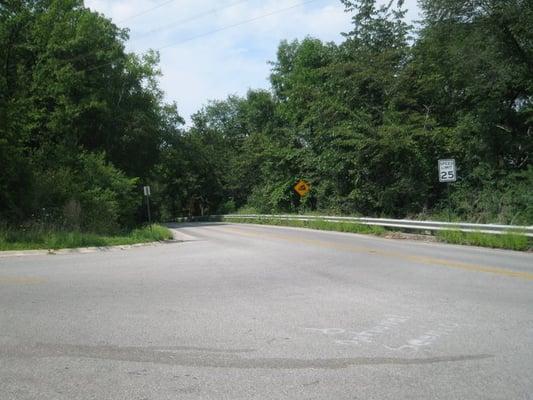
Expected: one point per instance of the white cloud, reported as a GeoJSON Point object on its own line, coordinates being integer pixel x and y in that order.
{"type": "Point", "coordinates": [226, 62]}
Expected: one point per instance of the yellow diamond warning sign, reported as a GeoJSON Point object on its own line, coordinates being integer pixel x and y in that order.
{"type": "Point", "coordinates": [302, 187]}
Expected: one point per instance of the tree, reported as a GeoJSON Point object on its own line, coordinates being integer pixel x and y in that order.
{"type": "Point", "coordinates": [70, 93]}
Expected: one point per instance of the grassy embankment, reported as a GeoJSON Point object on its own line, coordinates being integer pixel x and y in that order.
{"type": "Point", "coordinates": [42, 238]}
{"type": "Point", "coordinates": [320, 225]}
{"type": "Point", "coordinates": [511, 240]}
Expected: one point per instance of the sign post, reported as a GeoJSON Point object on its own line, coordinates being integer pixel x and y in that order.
{"type": "Point", "coordinates": [447, 174]}
{"type": "Point", "coordinates": [147, 194]}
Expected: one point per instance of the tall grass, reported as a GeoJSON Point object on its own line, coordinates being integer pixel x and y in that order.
{"type": "Point", "coordinates": [510, 240]}
{"type": "Point", "coordinates": [46, 238]}
{"type": "Point", "coordinates": [319, 225]}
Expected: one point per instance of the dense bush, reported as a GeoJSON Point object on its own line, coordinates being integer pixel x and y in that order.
{"type": "Point", "coordinates": [90, 194]}
{"type": "Point", "coordinates": [82, 123]}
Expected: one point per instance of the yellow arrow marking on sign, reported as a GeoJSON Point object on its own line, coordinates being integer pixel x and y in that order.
{"type": "Point", "coordinates": [302, 187]}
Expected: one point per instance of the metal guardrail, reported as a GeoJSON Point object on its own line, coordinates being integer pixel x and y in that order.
{"type": "Point", "coordinates": [394, 223]}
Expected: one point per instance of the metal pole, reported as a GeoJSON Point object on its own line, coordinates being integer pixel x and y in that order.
{"type": "Point", "coordinates": [148, 207]}
{"type": "Point", "coordinates": [449, 202]}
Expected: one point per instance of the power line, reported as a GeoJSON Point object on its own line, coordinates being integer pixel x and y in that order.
{"type": "Point", "coordinates": [281, 10]}
{"type": "Point", "coordinates": [95, 67]}
{"type": "Point", "coordinates": [145, 11]}
{"type": "Point", "coordinates": [236, 24]}
{"type": "Point", "coordinates": [189, 19]}
{"type": "Point", "coordinates": [192, 18]}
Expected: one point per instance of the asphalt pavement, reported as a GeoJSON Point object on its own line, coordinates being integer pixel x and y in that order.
{"type": "Point", "coordinates": [234, 311]}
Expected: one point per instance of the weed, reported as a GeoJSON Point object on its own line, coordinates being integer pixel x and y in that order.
{"type": "Point", "coordinates": [42, 238]}
{"type": "Point", "coordinates": [314, 224]}
{"type": "Point", "coordinates": [510, 240]}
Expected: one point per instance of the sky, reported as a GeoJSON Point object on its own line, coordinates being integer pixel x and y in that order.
{"type": "Point", "coordinates": [198, 64]}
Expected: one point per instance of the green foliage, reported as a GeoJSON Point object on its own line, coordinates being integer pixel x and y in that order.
{"type": "Point", "coordinates": [88, 194]}
{"type": "Point", "coordinates": [84, 126]}
{"type": "Point", "coordinates": [319, 225]}
{"type": "Point", "coordinates": [106, 196]}
{"type": "Point", "coordinates": [500, 198]}
{"type": "Point", "coordinates": [82, 121]}
{"type": "Point", "coordinates": [149, 233]}
{"type": "Point", "coordinates": [510, 241]}
{"type": "Point", "coordinates": [365, 121]}
{"type": "Point", "coordinates": [228, 207]}
{"type": "Point", "coordinates": [39, 237]}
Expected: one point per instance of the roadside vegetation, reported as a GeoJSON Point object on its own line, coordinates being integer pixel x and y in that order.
{"type": "Point", "coordinates": [319, 225]}
{"type": "Point", "coordinates": [44, 238]}
{"type": "Point", "coordinates": [510, 241]}
{"type": "Point", "coordinates": [84, 125]}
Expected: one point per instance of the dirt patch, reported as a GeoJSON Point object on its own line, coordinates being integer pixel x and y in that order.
{"type": "Point", "coordinates": [410, 236]}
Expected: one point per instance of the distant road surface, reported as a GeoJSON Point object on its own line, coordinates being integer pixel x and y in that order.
{"type": "Point", "coordinates": [256, 312]}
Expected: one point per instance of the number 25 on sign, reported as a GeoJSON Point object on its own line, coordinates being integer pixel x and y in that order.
{"type": "Point", "coordinates": [447, 170]}
{"type": "Point", "coordinates": [302, 187]}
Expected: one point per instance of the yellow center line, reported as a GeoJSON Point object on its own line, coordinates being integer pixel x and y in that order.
{"type": "Point", "coordinates": [20, 280]}
{"type": "Point", "coordinates": [392, 254]}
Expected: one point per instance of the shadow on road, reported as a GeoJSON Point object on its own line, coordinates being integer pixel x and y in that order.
{"type": "Point", "coordinates": [176, 225]}
{"type": "Point", "coordinates": [210, 357]}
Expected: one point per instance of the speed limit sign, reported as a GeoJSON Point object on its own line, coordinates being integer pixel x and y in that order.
{"type": "Point", "coordinates": [447, 171]}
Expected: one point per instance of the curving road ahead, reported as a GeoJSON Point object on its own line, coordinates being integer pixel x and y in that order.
{"type": "Point", "coordinates": [253, 312]}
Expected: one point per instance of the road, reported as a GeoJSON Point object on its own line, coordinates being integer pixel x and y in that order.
{"type": "Point", "coordinates": [255, 312]}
